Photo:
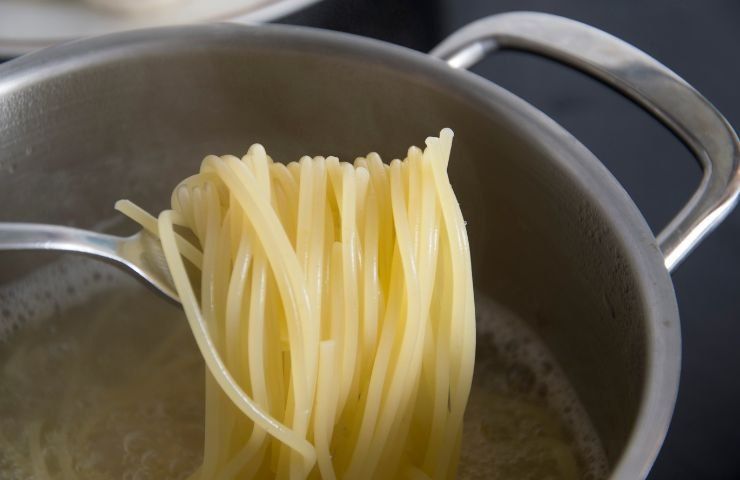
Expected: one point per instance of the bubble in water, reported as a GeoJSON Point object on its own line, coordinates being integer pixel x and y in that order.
{"type": "Point", "coordinates": [52, 289]}
{"type": "Point", "coordinates": [534, 383]}
{"type": "Point", "coordinates": [58, 371]}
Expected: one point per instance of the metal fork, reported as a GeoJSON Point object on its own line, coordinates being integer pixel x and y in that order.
{"type": "Point", "coordinates": [140, 253]}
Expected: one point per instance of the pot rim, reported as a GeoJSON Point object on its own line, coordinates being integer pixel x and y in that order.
{"type": "Point", "coordinates": [630, 230]}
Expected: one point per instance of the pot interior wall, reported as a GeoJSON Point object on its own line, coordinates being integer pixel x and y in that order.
{"type": "Point", "coordinates": [131, 122]}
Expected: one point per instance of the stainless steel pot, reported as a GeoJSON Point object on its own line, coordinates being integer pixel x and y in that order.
{"type": "Point", "coordinates": [554, 236]}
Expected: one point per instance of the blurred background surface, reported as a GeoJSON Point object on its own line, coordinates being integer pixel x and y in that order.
{"type": "Point", "coordinates": [699, 41]}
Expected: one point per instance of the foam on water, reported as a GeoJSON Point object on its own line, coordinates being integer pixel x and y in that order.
{"type": "Point", "coordinates": [523, 416]}
{"type": "Point", "coordinates": [47, 292]}
{"type": "Point", "coordinates": [100, 378]}
{"type": "Point", "coordinates": [518, 383]}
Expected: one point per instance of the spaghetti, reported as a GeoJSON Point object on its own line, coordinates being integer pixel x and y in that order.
{"type": "Point", "coordinates": [333, 305]}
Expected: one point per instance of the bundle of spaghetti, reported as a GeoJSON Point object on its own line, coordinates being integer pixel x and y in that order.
{"type": "Point", "coordinates": [333, 305]}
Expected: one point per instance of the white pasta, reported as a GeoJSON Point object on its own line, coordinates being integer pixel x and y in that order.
{"type": "Point", "coordinates": [333, 305]}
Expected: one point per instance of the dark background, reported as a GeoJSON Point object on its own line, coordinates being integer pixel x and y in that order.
{"type": "Point", "coordinates": [700, 41]}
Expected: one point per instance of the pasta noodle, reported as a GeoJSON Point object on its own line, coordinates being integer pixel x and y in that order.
{"type": "Point", "coordinates": [333, 305]}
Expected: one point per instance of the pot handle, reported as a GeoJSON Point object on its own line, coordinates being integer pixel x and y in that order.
{"type": "Point", "coordinates": [643, 79]}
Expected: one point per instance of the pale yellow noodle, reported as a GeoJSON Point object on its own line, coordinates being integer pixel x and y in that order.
{"type": "Point", "coordinates": [143, 218]}
{"type": "Point", "coordinates": [327, 395]}
{"type": "Point", "coordinates": [334, 313]}
{"type": "Point", "coordinates": [350, 260]}
{"type": "Point", "coordinates": [402, 367]}
{"type": "Point", "coordinates": [210, 353]}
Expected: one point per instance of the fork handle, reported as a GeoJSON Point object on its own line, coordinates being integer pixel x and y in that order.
{"type": "Point", "coordinates": [38, 236]}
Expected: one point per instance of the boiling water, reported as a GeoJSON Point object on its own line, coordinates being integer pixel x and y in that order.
{"type": "Point", "coordinates": [100, 379]}
{"type": "Point", "coordinates": [104, 381]}
{"type": "Point", "coordinates": [523, 420]}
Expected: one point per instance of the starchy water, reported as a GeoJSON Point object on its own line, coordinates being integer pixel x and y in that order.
{"type": "Point", "coordinates": [101, 379]}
